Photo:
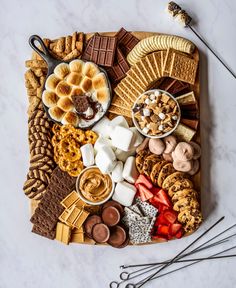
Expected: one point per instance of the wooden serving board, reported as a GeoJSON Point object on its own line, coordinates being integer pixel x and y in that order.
{"type": "Point", "coordinates": [196, 88]}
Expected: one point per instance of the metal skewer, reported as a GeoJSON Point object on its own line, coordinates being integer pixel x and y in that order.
{"type": "Point", "coordinates": [212, 51]}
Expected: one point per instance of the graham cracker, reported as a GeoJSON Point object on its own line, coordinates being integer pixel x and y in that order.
{"type": "Point", "coordinates": [168, 61]}
{"type": "Point", "coordinates": [129, 80]}
{"type": "Point", "coordinates": [133, 72]}
{"type": "Point", "coordinates": [146, 65]}
{"type": "Point", "coordinates": [118, 102]}
{"type": "Point", "coordinates": [155, 60]}
{"type": "Point", "coordinates": [128, 90]}
{"type": "Point", "coordinates": [143, 73]}
{"type": "Point", "coordinates": [119, 111]}
{"type": "Point", "coordinates": [163, 56]}
{"type": "Point", "coordinates": [183, 68]}
{"type": "Point", "coordinates": [136, 71]}
{"type": "Point", "coordinates": [123, 96]}
{"type": "Point", "coordinates": [184, 133]}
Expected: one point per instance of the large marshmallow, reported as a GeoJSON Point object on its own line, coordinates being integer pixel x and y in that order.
{"type": "Point", "coordinates": [116, 174]}
{"type": "Point", "coordinates": [123, 155]}
{"type": "Point", "coordinates": [124, 193]}
{"type": "Point", "coordinates": [105, 159]}
{"type": "Point", "coordinates": [122, 138]}
{"type": "Point", "coordinates": [87, 152]}
{"type": "Point", "coordinates": [138, 137]}
{"type": "Point", "coordinates": [101, 142]}
{"type": "Point", "coordinates": [130, 172]}
{"type": "Point", "coordinates": [103, 127]}
{"type": "Point", "coordinates": [119, 121]}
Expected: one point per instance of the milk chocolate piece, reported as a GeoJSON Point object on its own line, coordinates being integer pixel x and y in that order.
{"type": "Point", "coordinates": [100, 233]}
{"type": "Point", "coordinates": [173, 86]}
{"type": "Point", "coordinates": [190, 123]}
{"type": "Point", "coordinates": [119, 69]}
{"type": "Point", "coordinates": [103, 50]}
{"type": "Point", "coordinates": [90, 222]}
{"type": "Point", "coordinates": [88, 49]}
{"type": "Point", "coordinates": [117, 236]}
{"type": "Point", "coordinates": [126, 41]}
{"type": "Point", "coordinates": [115, 204]}
{"type": "Point", "coordinates": [81, 103]}
{"type": "Point", "coordinates": [111, 216]}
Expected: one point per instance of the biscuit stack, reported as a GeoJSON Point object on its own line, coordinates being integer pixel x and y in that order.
{"type": "Point", "coordinates": [180, 188]}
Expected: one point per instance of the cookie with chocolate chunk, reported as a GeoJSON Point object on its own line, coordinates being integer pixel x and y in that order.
{"type": "Point", "coordinates": [186, 203]}
{"type": "Point", "coordinates": [190, 219]}
{"type": "Point", "coordinates": [171, 179]}
{"type": "Point", "coordinates": [149, 162]}
{"type": "Point", "coordinates": [140, 157]}
{"type": "Point", "coordinates": [185, 193]}
{"type": "Point", "coordinates": [156, 170]}
{"type": "Point", "coordinates": [166, 170]}
{"type": "Point", "coordinates": [180, 185]}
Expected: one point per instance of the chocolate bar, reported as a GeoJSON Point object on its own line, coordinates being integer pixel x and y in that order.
{"type": "Point", "coordinates": [103, 50]}
{"type": "Point", "coordinates": [88, 49]}
{"type": "Point", "coordinates": [119, 69]}
{"type": "Point", "coordinates": [190, 123]}
{"type": "Point", "coordinates": [126, 41]}
{"type": "Point", "coordinates": [173, 86]}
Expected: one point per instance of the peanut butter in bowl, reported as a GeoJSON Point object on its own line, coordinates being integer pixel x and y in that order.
{"type": "Point", "coordinates": [93, 186]}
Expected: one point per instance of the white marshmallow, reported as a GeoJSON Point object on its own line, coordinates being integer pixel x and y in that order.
{"type": "Point", "coordinates": [122, 138]}
{"type": "Point", "coordinates": [174, 117]}
{"type": "Point", "coordinates": [161, 127]}
{"type": "Point", "coordinates": [87, 152]}
{"type": "Point", "coordinates": [157, 93]}
{"type": "Point", "coordinates": [147, 101]}
{"type": "Point", "coordinates": [130, 172]}
{"type": "Point", "coordinates": [105, 159]}
{"type": "Point", "coordinates": [142, 118]}
{"type": "Point", "coordinates": [101, 142]}
{"type": "Point", "coordinates": [162, 116]}
{"type": "Point", "coordinates": [152, 97]}
{"type": "Point", "coordinates": [116, 174]}
{"type": "Point", "coordinates": [138, 137]}
{"type": "Point", "coordinates": [119, 121]}
{"type": "Point", "coordinates": [103, 127]}
{"type": "Point", "coordinates": [123, 155]}
{"type": "Point", "coordinates": [146, 112]}
{"type": "Point", "coordinates": [124, 193]}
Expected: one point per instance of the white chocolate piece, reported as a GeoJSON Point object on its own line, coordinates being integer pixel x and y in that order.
{"type": "Point", "coordinates": [116, 174]}
{"type": "Point", "coordinates": [103, 127]}
{"type": "Point", "coordinates": [122, 138]}
{"type": "Point", "coordinates": [87, 152]}
{"type": "Point", "coordinates": [123, 155]}
{"type": "Point", "coordinates": [130, 172]}
{"type": "Point", "coordinates": [138, 139]}
{"type": "Point", "coordinates": [124, 193]}
{"type": "Point", "coordinates": [119, 121]}
{"type": "Point", "coordinates": [105, 159]}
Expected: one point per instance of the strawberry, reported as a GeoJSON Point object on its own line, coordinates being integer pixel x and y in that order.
{"type": "Point", "coordinates": [170, 216]}
{"type": "Point", "coordinates": [145, 193]}
{"type": "Point", "coordinates": [174, 229]}
{"type": "Point", "coordinates": [154, 202]}
{"type": "Point", "coordinates": [161, 238]}
{"type": "Point", "coordinates": [179, 234]}
{"type": "Point", "coordinates": [162, 208]}
{"type": "Point", "coordinates": [143, 180]}
{"type": "Point", "coordinates": [163, 230]}
{"type": "Point", "coordinates": [161, 220]}
{"type": "Point", "coordinates": [155, 190]}
{"type": "Point", "coordinates": [163, 198]}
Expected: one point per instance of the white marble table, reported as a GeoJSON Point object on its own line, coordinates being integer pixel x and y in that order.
{"type": "Point", "coordinates": [27, 260]}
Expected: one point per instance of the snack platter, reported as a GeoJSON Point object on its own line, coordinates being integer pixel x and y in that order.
{"type": "Point", "coordinates": [130, 177]}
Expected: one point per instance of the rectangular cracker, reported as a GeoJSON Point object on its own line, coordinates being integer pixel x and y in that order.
{"type": "Point", "coordinates": [123, 96]}
{"type": "Point", "coordinates": [155, 59]}
{"type": "Point", "coordinates": [184, 133]}
{"type": "Point", "coordinates": [119, 111]}
{"type": "Point", "coordinates": [70, 199]}
{"type": "Point", "coordinates": [118, 102]}
{"type": "Point", "coordinates": [146, 65]}
{"type": "Point", "coordinates": [183, 68]}
{"type": "Point", "coordinates": [142, 72]}
{"type": "Point", "coordinates": [163, 56]}
{"type": "Point", "coordinates": [135, 75]}
{"type": "Point", "coordinates": [129, 80]}
{"type": "Point", "coordinates": [168, 61]}
{"type": "Point", "coordinates": [128, 90]}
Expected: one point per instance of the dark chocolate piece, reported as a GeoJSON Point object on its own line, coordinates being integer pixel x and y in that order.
{"type": "Point", "coordinates": [103, 50]}
{"type": "Point", "coordinates": [119, 69]}
{"type": "Point", "coordinates": [126, 41]}
{"type": "Point", "coordinates": [81, 103]}
{"type": "Point", "coordinates": [190, 123]}
{"type": "Point", "coordinates": [173, 86]}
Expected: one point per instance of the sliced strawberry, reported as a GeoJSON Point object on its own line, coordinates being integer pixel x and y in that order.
{"type": "Point", "coordinates": [174, 229]}
{"type": "Point", "coordinates": [143, 180]}
{"type": "Point", "coordinates": [161, 220]}
{"type": "Point", "coordinates": [155, 190]}
{"type": "Point", "coordinates": [179, 234]}
{"type": "Point", "coordinates": [163, 230]}
{"type": "Point", "coordinates": [170, 216]}
{"type": "Point", "coordinates": [163, 198]}
{"type": "Point", "coordinates": [159, 238]}
{"type": "Point", "coordinates": [154, 202]}
{"type": "Point", "coordinates": [145, 193]}
{"type": "Point", "coordinates": [162, 208]}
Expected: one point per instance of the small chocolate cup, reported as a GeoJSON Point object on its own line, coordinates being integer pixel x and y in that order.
{"type": "Point", "coordinates": [117, 237]}
{"type": "Point", "coordinates": [100, 233]}
{"type": "Point", "coordinates": [90, 222]}
{"type": "Point", "coordinates": [111, 216]}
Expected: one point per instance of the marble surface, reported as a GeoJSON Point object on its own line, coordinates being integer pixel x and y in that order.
{"type": "Point", "coordinates": [30, 261]}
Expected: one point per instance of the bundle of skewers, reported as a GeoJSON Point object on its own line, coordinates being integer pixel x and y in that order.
{"type": "Point", "coordinates": [137, 275]}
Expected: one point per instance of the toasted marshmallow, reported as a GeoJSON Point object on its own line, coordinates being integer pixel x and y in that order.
{"type": "Point", "coordinates": [65, 104]}
{"type": "Point", "coordinates": [90, 69]}
{"type": "Point", "coordinates": [77, 91]}
{"type": "Point", "coordinates": [56, 113]}
{"type": "Point", "coordinates": [49, 98]}
{"type": "Point", "coordinates": [99, 81]}
{"type": "Point", "coordinates": [76, 66]}
{"type": "Point", "coordinates": [86, 84]}
{"type": "Point", "coordinates": [87, 152]}
{"type": "Point", "coordinates": [116, 174]}
{"type": "Point", "coordinates": [103, 95]}
{"type": "Point", "coordinates": [122, 138]}
{"type": "Point", "coordinates": [124, 193]}
{"type": "Point", "coordinates": [70, 118]}
{"type": "Point", "coordinates": [130, 172]}
{"type": "Point", "coordinates": [105, 159]}
{"type": "Point", "coordinates": [52, 82]}
{"type": "Point", "coordinates": [62, 70]}
{"type": "Point", "coordinates": [63, 89]}
{"type": "Point", "coordinates": [74, 78]}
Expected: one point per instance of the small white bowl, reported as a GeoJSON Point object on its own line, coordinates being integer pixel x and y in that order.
{"type": "Point", "coordinates": [86, 200]}
{"type": "Point", "coordinates": [136, 123]}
